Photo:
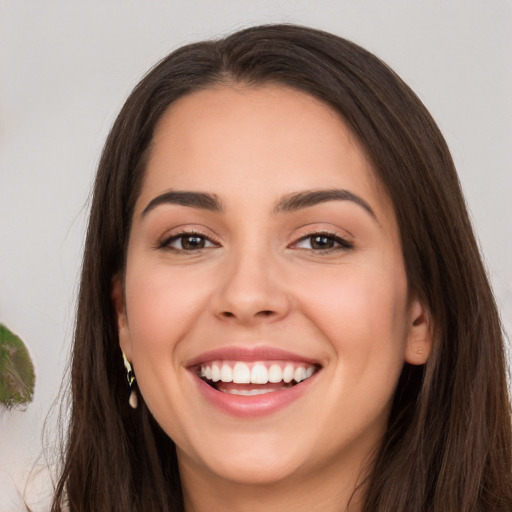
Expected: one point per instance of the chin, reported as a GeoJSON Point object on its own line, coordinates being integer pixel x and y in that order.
{"type": "Point", "coordinates": [260, 471]}
{"type": "Point", "coordinates": [265, 460]}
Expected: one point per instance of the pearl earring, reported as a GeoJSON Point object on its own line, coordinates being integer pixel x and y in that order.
{"type": "Point", "coordinates": [130, 377]}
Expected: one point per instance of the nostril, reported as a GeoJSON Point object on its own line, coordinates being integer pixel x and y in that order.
{"type": "Point", "coordinates": [264, 313]}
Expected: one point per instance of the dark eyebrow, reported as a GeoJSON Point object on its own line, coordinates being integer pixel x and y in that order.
{"type": "Point", "coordinates": [299, 200]}
{"type": "Point", "coordinates": [200, 200]}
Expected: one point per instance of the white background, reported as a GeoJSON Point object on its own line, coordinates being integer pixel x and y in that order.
{"type": "Point", "coordinates": [66, 68]}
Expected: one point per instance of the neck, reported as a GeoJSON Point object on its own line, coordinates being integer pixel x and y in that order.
{"type": "Point", "coordinates": [332, 492]}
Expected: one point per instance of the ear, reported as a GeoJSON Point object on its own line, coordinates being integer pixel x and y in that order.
{"type": "Point", "coordinates": [420, 335]}
{"type": "Point", "coordinates": [117, 295]}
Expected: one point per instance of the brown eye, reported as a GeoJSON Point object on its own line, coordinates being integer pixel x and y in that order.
{"type": "Point", "coordinates": [191, 242]}
{"type": "Point", "coordinates": [188, 242]}
{"type": "Point", "coordinates": [322, 242]}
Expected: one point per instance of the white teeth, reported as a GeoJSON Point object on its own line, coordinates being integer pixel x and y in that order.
{"type": "Point", "coordinates": [288, 373]}
{"type": "Point", "coordinates": [275, 374]}
{"type": "Point", "coordinates": [252, 392]}
{"type": "Point", "coordinates": [241, 374]}
{"type": "Point", "coordinates": [298, 375]}
{"type": "Point", "coordinates": [259, 374]}
{"type": "Point", "coordinates": [256, 373]}
{"type": "Point", "coordinates": [215, 372]}
{"type": "Point", "coordinates": [226, 373]}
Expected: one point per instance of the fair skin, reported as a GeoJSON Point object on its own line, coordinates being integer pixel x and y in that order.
{"type": "Point", "coordinates": [248, 272]}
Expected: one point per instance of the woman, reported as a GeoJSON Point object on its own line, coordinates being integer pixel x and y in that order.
{"type": "Point", "coordinates": [279, 251]}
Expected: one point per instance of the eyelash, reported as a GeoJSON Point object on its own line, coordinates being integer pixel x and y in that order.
{"type": "Point", "coordinates": [342, 243]}
{"type": "Point", "coordinates": [166, 244]}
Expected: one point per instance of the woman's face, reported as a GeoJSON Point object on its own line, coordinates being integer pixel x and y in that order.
{"type": "Point", "coordinates": [263, 251]}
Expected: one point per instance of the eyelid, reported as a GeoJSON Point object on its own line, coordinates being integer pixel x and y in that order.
{"type": "Point", "coordinates": [342, 241]}
{"type": "Point", "coordinates": [165, 241]}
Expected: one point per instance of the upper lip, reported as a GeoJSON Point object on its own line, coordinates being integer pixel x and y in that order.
{"type": "Point", "coordinates": [249, 354]}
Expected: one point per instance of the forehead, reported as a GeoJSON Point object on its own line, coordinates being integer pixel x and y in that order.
{"type": "Point", "coordinates": [252, 117]}
{"type": "Point", "coordinates": [270, 139]}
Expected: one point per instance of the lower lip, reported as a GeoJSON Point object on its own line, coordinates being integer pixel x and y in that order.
{"type": "Point", "coordinates": [256, 405]}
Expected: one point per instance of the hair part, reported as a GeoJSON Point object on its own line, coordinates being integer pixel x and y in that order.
{"type": "Point", "coordinates": [448, 445]}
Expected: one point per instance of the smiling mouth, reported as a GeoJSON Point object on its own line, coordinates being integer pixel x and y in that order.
{"type": "Point", "coordinates": [254, 378]}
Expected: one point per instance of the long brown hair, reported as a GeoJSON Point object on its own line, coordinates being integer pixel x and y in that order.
{"type": "Point", "coordinates": [448, 444]}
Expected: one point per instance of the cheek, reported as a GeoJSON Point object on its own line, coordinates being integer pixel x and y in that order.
{"type": "Point", "coordinates": [161, 304]}
{"type": "Point", "coordinates": [362, 312]}
{"type": "Point", "coordinates": [162, 309]}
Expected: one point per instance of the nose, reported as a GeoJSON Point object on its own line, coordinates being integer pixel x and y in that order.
{"type": "Point", "coordinates": [252, 291]}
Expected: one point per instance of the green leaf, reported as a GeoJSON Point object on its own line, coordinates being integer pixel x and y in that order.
{"type": "Point", "coordinates": [17, 377]}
